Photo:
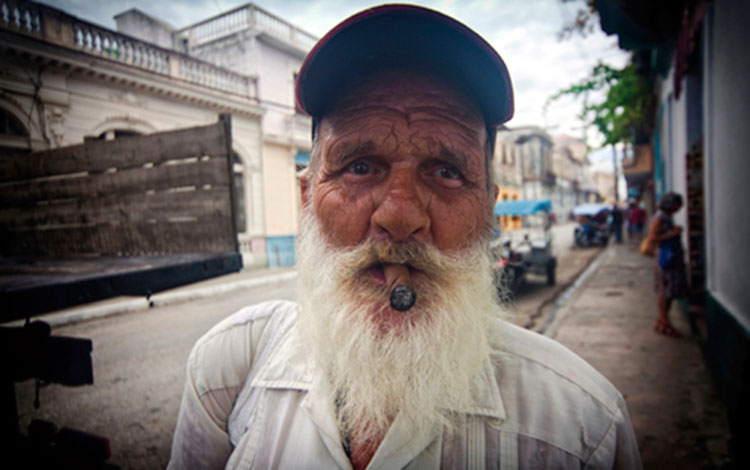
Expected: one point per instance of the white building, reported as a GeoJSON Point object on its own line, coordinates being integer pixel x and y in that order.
{"type": "Point", "coordinates": [569, 165]}
{"type": "Point", "coordinates": [64, 80]}
{"type": "Point", "coordinates": [529, 164]}
{"type": "Point", "coordinates": [255, 43]}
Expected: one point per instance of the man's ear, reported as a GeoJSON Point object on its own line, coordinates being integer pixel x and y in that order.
{"type": "Point", "coordinates": [495, 192]}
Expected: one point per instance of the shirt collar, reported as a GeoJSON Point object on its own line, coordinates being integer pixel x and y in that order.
{"type": "Point", "coordinates": [286, 369]}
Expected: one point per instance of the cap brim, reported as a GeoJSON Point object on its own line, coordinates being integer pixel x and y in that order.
{"type": "Point", "coordinates": [404, 35]}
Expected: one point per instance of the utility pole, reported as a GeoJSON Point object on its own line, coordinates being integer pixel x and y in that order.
{"type": "Point", "coordinates": [614, 164]}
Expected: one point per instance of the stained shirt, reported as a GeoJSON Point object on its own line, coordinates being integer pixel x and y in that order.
{"type": "Point", "coordinates": [251, 403]}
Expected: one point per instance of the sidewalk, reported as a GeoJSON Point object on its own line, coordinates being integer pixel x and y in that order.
{"type": "Point", "coordinates": [608, 320]}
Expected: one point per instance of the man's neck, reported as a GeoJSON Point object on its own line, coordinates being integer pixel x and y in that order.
{"type": "Point", "coordinates": [361, 451]}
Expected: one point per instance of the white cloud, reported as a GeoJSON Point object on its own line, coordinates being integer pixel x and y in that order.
{"type": "Point", "coordinates": [524, 32]}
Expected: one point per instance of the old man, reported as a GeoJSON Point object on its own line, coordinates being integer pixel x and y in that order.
{"type": "Point", "coordinates": [398, 195]}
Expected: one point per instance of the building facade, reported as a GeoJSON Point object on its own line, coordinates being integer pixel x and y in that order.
{"type": "Point", "coordinates": [699, 144]}
{"type": "Point", "coordinates": [507, 173]}
{"type": "Point", "coordinates": [255, 43]}
{"type": "Point", "coordinates": [529, 164]}
{"type": "Point", "coordinates": [569, 165]}
{"type": "Point", "coordinates": [64, 79]}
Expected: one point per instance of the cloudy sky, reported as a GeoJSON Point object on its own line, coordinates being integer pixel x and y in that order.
{"type": "Point", "coordinates": [524, 32]}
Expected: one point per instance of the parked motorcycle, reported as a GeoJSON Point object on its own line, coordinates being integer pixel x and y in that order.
{"type": "Point", "coordinates": [588, 234]}
{"type": "Point", "coordinates": [593, 229]}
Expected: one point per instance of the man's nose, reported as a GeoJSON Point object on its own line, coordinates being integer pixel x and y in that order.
{"type": "Point", "coordinates": [401, 212]}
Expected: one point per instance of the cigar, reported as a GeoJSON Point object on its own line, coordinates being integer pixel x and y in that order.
{"type": "Point", "coordinates": [397, 279]}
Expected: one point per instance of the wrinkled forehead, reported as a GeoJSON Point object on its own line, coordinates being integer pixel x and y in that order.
{"type": "Point", "coordinates": [410, 93]}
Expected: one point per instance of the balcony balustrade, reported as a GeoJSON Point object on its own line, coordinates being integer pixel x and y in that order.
{"type": "Point", "coordinates": [247, 17]}
{"type": "Point", "coordinates": [57, 27]}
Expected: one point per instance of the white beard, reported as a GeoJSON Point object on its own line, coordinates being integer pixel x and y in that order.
{"type": "Point", "coordinates": [420, 367]}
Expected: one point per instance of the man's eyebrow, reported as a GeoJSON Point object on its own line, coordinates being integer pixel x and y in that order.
{"type": "Point", "coordinates": [458, 159]}
{"type": "Point", "coordinates": [345, 152]}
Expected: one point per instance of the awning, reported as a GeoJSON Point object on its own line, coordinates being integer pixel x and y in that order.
{"type": "Point", "coordinates": [302, 158]}
{"type": "Point", "coordinates": [522, 207]}
{"type": "Point", "coordinates": [590, 209]}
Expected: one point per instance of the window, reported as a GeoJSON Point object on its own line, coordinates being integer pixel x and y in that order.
{"type": "Point", "coordinates": [9, 125]}
{"type": "Point", "coordinates": [116, 134]}
{"type": "Point", "coordinates": [13, 135]}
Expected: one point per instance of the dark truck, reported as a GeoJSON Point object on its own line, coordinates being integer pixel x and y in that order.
{"type": "Point", "coordinates": [131, 216]}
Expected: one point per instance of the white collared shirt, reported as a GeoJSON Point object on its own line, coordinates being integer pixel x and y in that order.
{"type": "Point", "coordinates": [250, 403]}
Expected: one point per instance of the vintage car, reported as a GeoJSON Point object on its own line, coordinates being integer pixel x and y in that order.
{"type": "Point", "coordinates": [525, 250]}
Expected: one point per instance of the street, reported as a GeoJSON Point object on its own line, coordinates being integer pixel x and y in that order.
{"type": "Point", "coordinates": [139, 360]}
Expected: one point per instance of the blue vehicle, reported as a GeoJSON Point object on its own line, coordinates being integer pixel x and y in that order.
{"type": "Point", "coordinates": [593, 227]}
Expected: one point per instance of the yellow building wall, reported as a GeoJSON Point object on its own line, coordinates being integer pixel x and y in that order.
{"type": "Point", "coordinates": [281, 195]}
{"type": "Point", "coordinates": [507, 222]}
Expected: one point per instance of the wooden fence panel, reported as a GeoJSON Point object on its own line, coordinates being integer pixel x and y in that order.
{"type": "Point", "coordinates": [160, 207]}
{"type": "Point", "coordinates": [132, 239]}
{"type": "Point", "coordinates": [163, 193]}
{"type": "Point", "coordinates": [210, 171]}
{"type": "Point", "coordinates": [126, 152]}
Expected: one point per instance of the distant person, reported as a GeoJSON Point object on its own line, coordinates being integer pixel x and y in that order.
{"type": "Point", "coordinates": [395, 355]}
{"type": "Point", "coordinates": [636, 221]}
{"type": "Point", "coordinates": [670, 280]}
{"type": "Point", "coordinates": [616, 224]}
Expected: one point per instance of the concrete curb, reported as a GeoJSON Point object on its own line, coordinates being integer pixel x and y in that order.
{"type": "Point", "coordinates": [567, 297]}
{"type": "Point", "coordinates": [121, 305]}
{"type": "Point", "coordinates": [179, 296]}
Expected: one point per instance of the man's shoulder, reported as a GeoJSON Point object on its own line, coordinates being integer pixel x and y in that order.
{"type": "Point", "coordinates": [544, 364]}
{"type": "Point", "coordinates": [222, 357]}
{"type": "Point", "coordinates": [552, 397]}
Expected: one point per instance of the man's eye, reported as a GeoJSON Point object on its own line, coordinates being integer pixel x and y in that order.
{"type": "Point", "coordinates": [360, 168]}
{"type": "Point", "coordinates": [449, 172]}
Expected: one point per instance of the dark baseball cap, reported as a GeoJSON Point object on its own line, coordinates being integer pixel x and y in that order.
{"type": "Point", "coordinates": [398, 36]}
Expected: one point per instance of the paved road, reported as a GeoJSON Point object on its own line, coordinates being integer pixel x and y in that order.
{"type": "Point", "coordinates": [531, 305]}
{"type": "Point", "coordinates": [139, 361]}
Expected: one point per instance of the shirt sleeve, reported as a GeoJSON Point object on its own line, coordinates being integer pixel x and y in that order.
{"type": "Point", "coordinates": [619, 448]}
{"type": "Point", "coordinates": [198, 441]}
{"type": "Point", "coordinates": [217, 369]}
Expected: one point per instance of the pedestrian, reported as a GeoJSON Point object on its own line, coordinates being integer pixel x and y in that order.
{"type": "Point", "coordinates": [636, 221]}
{"type": "Point", "coordinates": [395, 354]}
{"type": "Point", "coordinates": [670, 280]}
{"type": "Point", "coordinates": [617, 223]}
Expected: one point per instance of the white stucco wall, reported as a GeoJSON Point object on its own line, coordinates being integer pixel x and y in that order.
{"type": "Point", "coordinates": [282, 132]}
{"type": "Point", "coordinates": [675, 145]}
{"type": "Point", "coordinates": [281, 205]}
{"type": "Point", "coordinates": [727, 176]}
{"type": "Point", "coordinates": [72, 105]}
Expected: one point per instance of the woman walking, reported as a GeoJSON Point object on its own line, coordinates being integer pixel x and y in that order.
{"type": "Point", "coordinates": [670, 281]}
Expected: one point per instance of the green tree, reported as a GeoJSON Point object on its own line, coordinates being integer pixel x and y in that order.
{"type": "Point", "coordinates": [626, 108]}
{"type": "Point", "coordinates": [622, 114]}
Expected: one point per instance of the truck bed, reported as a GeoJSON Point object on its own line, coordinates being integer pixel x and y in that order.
{"type": "Point", "coordinates": [34, 285]}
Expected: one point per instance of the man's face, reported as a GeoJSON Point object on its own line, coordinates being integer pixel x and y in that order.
{"type": "Point", "coordinates": [402, 160]}
{"type": "Point", "coordinates": [398, 178]}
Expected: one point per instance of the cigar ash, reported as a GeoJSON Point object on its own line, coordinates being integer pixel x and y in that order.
{"type": "Point", "coordinates": [398, 280]}
{"type": "Point", "coordinates": [403, 298]}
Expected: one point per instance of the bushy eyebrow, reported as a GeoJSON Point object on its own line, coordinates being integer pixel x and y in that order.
{"type": "Point", "coordinates": [349, 151]}
{"type": "Point", "coordinates": [460, 160]}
